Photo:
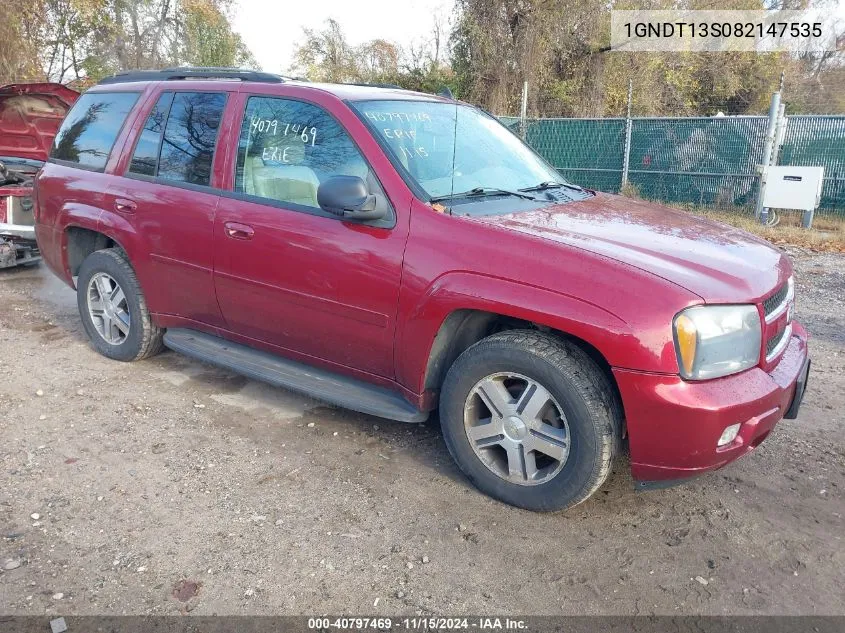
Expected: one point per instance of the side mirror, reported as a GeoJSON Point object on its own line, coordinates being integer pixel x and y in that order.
{"type": "Point", "coordinates": [348, 197]}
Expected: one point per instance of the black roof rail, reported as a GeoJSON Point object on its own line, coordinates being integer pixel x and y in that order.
{"type": "Point", "coordinates": [187, 72]}
{"type": "Point", "coordinates": [355, 83]}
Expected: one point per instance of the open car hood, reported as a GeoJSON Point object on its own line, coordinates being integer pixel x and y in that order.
{"type": "Point", "coordinates": [30, 115]}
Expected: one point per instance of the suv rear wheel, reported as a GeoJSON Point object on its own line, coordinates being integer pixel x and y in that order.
{"type": "Point", "coordinates": [531, 420]}
{"type": "Point", "coordinates": [113, 310]}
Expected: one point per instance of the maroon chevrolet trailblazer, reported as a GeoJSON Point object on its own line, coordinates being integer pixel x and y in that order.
{"type": "Point", "coordinates": [395, 252]}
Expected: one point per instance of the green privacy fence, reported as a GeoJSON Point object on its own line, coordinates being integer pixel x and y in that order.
{"type": "Point", "coordinates": [709, 161]}
{"type": "Point", "coordinates": [819, 140]}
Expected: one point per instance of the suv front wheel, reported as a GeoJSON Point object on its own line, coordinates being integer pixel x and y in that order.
{"type": "Point", "coordinates": [112, 307]}
{"type": "Point", "coordinates": [531, 420]}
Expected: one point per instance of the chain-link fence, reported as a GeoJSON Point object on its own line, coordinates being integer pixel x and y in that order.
{"type": "Point", "coordinates": [706, 161]}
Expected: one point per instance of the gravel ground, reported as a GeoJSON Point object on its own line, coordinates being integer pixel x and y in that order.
{"type": "Point", "coordinates": [169, 486]}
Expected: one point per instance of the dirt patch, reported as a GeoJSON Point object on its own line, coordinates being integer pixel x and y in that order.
{"type": "Point", "coordinates": [159, 479]}
{"type": "Point", "coordinates": [185, 590]}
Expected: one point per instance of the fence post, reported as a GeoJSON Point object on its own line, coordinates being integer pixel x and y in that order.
{"type": "Point", "coordinates": [626, 157]}
{"type": "Point", "coordinates": [523, 111]}
{"type": "Point", "coordinates": [780, 133]}
{"type": "Point", "coordinates": [761, 213]}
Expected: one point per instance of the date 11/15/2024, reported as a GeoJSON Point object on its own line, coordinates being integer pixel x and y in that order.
{"type": "Point", "coordinates": [485, 623]}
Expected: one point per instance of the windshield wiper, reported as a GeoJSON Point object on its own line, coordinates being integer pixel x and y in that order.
{"type": "Point", "coordinates": [549, 184]}
{"type": "Point", "coordinates": [485, 191]}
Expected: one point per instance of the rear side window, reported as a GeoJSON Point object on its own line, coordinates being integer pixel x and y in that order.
{"type": "Point", "coordinates": [190, 135]}
{"type": "Point", "coordinates": [145, 158]}
{"type": "Point", "coordinates": [88, 133]}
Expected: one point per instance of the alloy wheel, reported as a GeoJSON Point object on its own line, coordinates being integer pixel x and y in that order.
{"type": "Point", "coordinates": [517, 428]}
{"type": "Point", "coordinates": [108, 308]}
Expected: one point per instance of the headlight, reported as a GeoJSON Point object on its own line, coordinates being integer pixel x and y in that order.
{"type": "Point", "coordinates": [713, 341]}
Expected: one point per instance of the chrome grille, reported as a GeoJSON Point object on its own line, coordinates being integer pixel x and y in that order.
{"type": "Point", "coordinates": [776, 343]}
{"type": "Point", "coordinates": [773, 303]}
{"type": "Point", "coordinates": [778, 319]}
{"type": "Point", "coordinates": [773, 342]}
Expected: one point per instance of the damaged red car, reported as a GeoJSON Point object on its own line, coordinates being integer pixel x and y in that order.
{"type": "Point", "coordinates": [30, 114]}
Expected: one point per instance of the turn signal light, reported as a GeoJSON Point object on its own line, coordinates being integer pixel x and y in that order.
{"type": "Point", "coordinates": [687, 336]}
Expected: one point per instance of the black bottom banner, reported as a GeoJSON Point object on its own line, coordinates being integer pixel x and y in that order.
{"type": "Point", "coordinates": [306, 624]}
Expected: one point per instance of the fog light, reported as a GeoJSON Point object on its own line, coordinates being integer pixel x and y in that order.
{"type": "Point", "coordinates": [728, 435]}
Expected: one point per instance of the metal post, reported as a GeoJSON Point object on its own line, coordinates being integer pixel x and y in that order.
{"type": "Point", "coordinates": [780, 133]}
{"type": "Point", "coordinates": [807, 219]}
{"type": "Point", "coordinates": [523, 111]}
{"type": "Point", "coordinates": [626, 157]}
{"type": "Point", "coordinates": [761, 213]}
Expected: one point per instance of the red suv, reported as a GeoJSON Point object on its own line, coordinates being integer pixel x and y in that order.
{"type": "Point", "coordinates": [394, 252]}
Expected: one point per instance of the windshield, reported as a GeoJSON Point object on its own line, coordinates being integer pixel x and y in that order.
{"type": "Point", "coordinates": [450, 148]}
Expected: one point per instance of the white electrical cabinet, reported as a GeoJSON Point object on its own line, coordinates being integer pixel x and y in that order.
{"type": "Point", "coordinates": [793, 187]}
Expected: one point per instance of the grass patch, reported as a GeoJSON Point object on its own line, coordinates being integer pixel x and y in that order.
{"type": "Point", "coordinates": [827, 234]}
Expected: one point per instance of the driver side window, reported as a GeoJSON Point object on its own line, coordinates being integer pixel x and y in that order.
{"type": "Point", "coordinates": [287, 148]}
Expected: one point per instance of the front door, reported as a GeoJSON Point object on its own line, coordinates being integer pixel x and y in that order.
{"type": "Point", "coordinates": [288, 273]}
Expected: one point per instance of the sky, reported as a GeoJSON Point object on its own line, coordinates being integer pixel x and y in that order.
{"type": "Point", "coordinates": [272, 29]}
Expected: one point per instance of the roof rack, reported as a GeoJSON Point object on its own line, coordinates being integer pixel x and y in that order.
{"type": "Point", "coordinates": [186, 72]}
{"type": "Point", "coordinates": [376, 85]}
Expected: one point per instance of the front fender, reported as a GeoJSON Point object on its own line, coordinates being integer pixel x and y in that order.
{"type": "Point", "coordinates": [607, 332]}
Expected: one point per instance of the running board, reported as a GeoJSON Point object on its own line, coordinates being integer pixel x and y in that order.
{"type": "Point", "coordinates": [281, 372]}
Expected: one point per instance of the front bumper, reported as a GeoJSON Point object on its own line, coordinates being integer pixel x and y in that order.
{"type": "Point", "coordinates": [19, 231]}
{"type": "Point", "coordinates": [674, 425]}
{"type": "Point", "coordinates": [17, 245]}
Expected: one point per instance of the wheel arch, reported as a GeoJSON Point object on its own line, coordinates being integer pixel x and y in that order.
{"type": "Point", "coordinates": [464, 327]}
{"type": "Point", "coordinates": [80, 242]}
{"type": "Point", "coordinates": [87, 228]}
{"type": "Point", "coordinates": [460, 308]}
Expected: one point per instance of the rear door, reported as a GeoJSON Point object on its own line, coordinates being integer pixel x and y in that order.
{"type": "Point", "coordinates": [166, 194]}
{"type": "Point", "coordinates": [288, 273]}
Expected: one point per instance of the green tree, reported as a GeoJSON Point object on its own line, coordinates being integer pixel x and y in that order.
{"type": "Point", "coordinates": [20, 22]}
{"type": "Point", "coordinates": [80, 41]}
{"type": "Point", "coordinates": [562, 49]}
{"type": "Point", "coordinates": [210, 40]}
{"type": "Point", "coordinates": [326, 55]}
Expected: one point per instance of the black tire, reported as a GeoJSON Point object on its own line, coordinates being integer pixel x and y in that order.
{"type": "Point", "coordinates": [579, 386]}
{"type": "Point", "coordinates": [145, 337]}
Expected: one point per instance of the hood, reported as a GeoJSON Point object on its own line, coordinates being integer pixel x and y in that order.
{"type": "Point", "coordinates": [30, 115]}
{"type": "Point", "coordinates": [719, 263]}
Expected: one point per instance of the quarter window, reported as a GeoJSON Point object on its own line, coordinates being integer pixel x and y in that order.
{"type": "Point", "coordinates": [145, 158]}
{"type": "Point", "coordinates": [287, 148]}
{"type": "Point", "coordinates": [88, 133]}
{"type": "Point", "coordinates": [190, 135]}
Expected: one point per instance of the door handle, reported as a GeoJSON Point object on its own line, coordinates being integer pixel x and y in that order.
{"type": "Point", "coordinates": [123, 205]}
{"type": "Point", "coordinates": [238, 231]}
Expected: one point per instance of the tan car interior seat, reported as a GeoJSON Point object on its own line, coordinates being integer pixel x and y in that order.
{"type": "Point", "coordinates": [278, 173]}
